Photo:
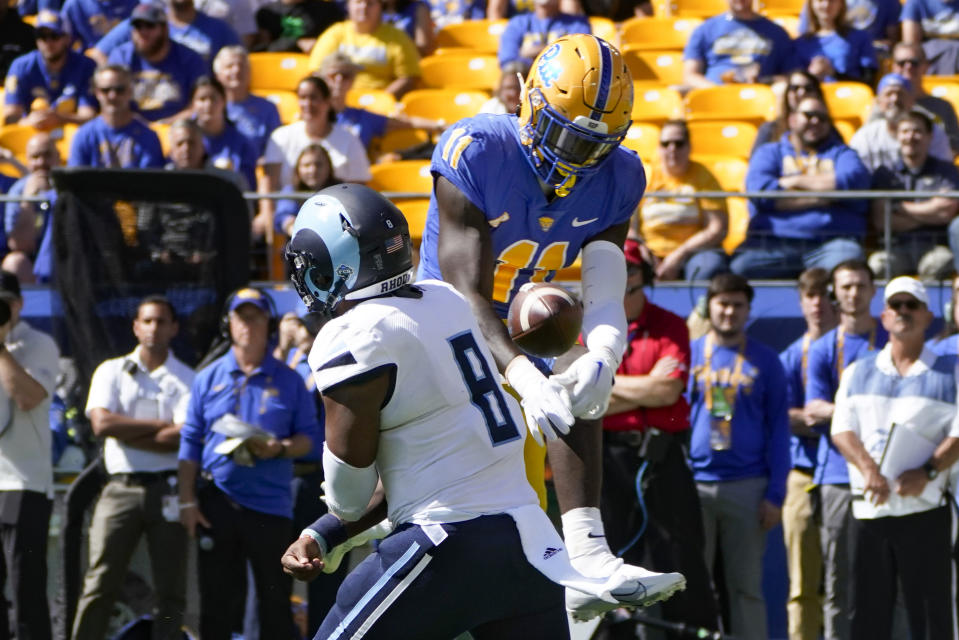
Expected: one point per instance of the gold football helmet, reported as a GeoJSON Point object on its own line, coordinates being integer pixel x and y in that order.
{"type": "Point", "coordinates": [575, 108]}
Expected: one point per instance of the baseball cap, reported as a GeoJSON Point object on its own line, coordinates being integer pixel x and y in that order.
{"type": "Point", "coordinates": [148, 12]}
{"type": "Point", "coordinates": [9, 285]}
{"type": "Point", "coordinates": [893, 79]}
{"type": "Point", "coordinates": [48, 19]}
{"type": "Point", "coordinates": [339, 62]}
{"type": "Point", "coordinates": [906, 284]}
{"type": "Point", "coordinates": [249, 295]}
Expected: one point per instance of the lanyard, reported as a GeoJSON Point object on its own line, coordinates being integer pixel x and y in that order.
{"type": "Point", "coordinates": [805, 358]}
{"type": "Point", "coordinates": [841, 351]}
{"type": "Point", "coordinates": [734, 380]}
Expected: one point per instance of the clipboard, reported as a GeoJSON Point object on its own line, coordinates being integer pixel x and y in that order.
{"type": "Point", "coordinates": [905, 449]}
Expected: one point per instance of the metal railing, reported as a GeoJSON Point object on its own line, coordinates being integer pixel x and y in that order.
{"type": "Point", "coordinates": [887, 196]}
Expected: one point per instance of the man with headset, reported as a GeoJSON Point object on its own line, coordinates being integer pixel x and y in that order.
{"type": "Point", "coordinates": [138, 402]}
{"type": "Point", "coordinates": [239, 497]}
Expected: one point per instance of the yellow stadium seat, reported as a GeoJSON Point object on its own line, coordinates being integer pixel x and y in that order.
{"type": "Point", "coordinates": [286, 103]}
{"type": "Point", "coordinates": [698, 8]}
{"type": "Point", "coordinates": [722, 138]}
{"type": "Point", "coordinates": [453, 71]}
{"type": "Point", "coordinates": [414, 210]}
{"type": "Point", "coordinates": [443, 105]}
{"type": "Point", "coordinates": [738, 223]}
{"type": "Point", "coordinates": [846, 129]}
{"type": "Point", "coordinates": [398, 140]}
{"type": "Point", "coordinates": [660, 67]}
{"type": "Point", "coordinates": [643, 138]}
{"type": "Point", "coordinates": [657, 105]}
{"type": "Point", "coordinates": [947, 90]}
{"type": "Point", "coordinates": [754, 103]}
{"type": "Point", "coordinates": [605, 29]}
{"type": "Point", "coordinates": [163, 133]}
{"type": "Point", "coordinates": [657, 33]}
{"type": "Point", "coordinates": [15, 137]}
{"type": "Point", "coordinates": [381, 102]}
{"type": "Point", "coordinates": [780, 7]}
{"type": "Point", "coordinates": [65, 139]}
{"type": "Point", "coordinates": [849, 101]}
{"type": "Point", "coordinates": [30, 20]}
{"type": "Point", "coordinates": [272, 70]}
{"type": "Point", "coordinates": [408, 176]}
{"type": "Point", "coordinates": [729, 171]}
{"type": "Point", "coordinates": [481, 36]}
{"type": "Point", "coordinates": [788, 22]}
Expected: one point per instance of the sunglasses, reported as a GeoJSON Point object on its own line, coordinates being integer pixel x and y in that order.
{"type": "Point", "coordinates": [46, 34]}
{"type": "Point", "coordinates": [139, 25]}
{"type": "Point", "coordinates": [911, 304]}
{"type": "Point", "coordinates": [119, 88]}
{"type": "Point", "coordinates": [822, 116]}
{"type": "Point", "coordinates": [679, 144]}
{"type": "Point", "coordinates": [797, 87]}
{"type": "Point", "coordinates": [913, 61]}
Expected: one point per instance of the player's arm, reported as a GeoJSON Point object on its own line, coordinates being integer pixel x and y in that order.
{"type": "Point", "coordinates": [589, 379]}
{"type": "Point", "coordinates": [465, 252]}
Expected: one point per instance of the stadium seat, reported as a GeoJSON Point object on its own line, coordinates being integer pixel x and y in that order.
{"type": "Point", "coordinates": [65, 139]}
{"type": "Point", "coordinates": [481, 36]}
{"type": "Point", "coordinates": [846, 129]}
{"type": "Point", "coordinates": [945, 87]}
{"type": "Point", "coordinates": [286, 103]}
{"type": "Point", "coordinates": [443, 105]}
{"type": "Point", "coordinates": [14, 137]}
{"type": "Point", "coordinates": [753, 103]}
{"type": "Point", "coordinates": [657, 105]}
{"type": "Point", "coordinates": [850, 101]}
{"type": "Point", "coordinates": [788, 22]}
{"type": "Point", "coordinates": [643, 138]}
{"type": "Point", "coordinates": [657, 33]}
{"type": "Point", "coordinates": [457, 71]}
{"type": "Point", "coordinates": [273, 70]}
{"type": "Point", "coordinates": [738, 223]}
{"type": "Point", "coordinates": [408, 176]}
{"type": "Point", "coordinates": [698, 8]}
{"type": "Point", "coordinates": [605, 29]}
{"type": "Point", "coordinates": [414, 210]}
{"type": "Point", "coordinates": [381, 102]}
{"type": "Point", "coordinates": [398, 140]}
{"type": "Point", "coordinates": [659, 67]}
{"type": "Point", "coordinates": [722, 138]}
{"type": "Point", "coordinates": [729, 171]}
{"type": "Point", "coordinates": [780, 7]}
{"type": "Point", "coordinates": [163, 133]}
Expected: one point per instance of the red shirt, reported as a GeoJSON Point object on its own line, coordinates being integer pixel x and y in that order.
{"type": "Point", "coordinates": [654, 334]}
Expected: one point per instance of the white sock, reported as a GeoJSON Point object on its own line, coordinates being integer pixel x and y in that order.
{"type": "Point", "coordinates": [586, 543]}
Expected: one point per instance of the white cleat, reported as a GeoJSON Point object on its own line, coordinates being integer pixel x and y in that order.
{"type": "Point", "coordinates": [637, 588]}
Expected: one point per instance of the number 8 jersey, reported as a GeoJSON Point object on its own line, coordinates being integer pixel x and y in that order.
{"type": "Point", "coordinates": [451, 440]}
{"type": "Point", "coordinates": [532, 237]}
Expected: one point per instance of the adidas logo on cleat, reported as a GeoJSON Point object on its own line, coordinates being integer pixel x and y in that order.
{"type": "Point", "coordinates": [550, 552]}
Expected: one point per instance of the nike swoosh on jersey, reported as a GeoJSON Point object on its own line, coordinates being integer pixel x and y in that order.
{"type": "Point", "coordinates": [579, 223]}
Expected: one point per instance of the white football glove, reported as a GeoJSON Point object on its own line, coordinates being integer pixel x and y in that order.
{"type": "Point", "coordinates": [589, 381]}
{"type": "Point", "coordinates": [545, 402]}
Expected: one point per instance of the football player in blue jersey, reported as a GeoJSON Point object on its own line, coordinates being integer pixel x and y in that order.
{"type": "Point", "coordinates": [515, 200]}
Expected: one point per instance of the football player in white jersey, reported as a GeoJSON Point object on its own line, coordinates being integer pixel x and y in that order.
{"type": "Point", "coordinates": [413, 400]}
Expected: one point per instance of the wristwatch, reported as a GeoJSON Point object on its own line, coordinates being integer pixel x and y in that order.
{"type": "Point", "coordinates": [931, 472]}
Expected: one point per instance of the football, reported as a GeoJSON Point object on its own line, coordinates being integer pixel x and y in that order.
{"type": "Point", "coordinates": [545, 319]}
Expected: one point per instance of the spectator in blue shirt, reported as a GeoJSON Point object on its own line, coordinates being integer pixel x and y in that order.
{"type": "Point", "coordinates": [527, 34]}
{"type": "Point", "coordinates": [27, 224]}
{"type": "Point", "coordinates": [255, 117]}
{"type": "Point", "coordinates": [413, 17]}
{"type": "Point", "coordinates": [935, 25]}
{"type": "Point", "coordinates": [858, 334]}
{"type": "Point", "coordinates": [90, 20]}
{"type": "Point", "coordinates": [737, 46]}
{"type": "Point", "coordinates": [831, 50]}
{"type": "Point", "coordinates": [50, 86]}
{"type": "Point", "coordinates": [191, 28]}
{"type": "Point", "coordinates": [164, 71]}
{"type": "Point", "coordinates": [788, 235]}
{"type": "Point", "coordinates": [739, 447]}
{"type": "Point", "coordinates": [240, 503]}
{"type": "Point", "coordinates": [116, 138]}
{"type": "Point", "coordinates": [879, 18]}
{"type": "Point", "coordinates": [226, 147]}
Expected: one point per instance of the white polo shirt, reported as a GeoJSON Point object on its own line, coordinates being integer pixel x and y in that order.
{"type": "Point", "coordinates": [873, 396]}
{"type": "Point", "coordinates": [124, 386]}
{"type": "Point", "coordinates": [25, 460]}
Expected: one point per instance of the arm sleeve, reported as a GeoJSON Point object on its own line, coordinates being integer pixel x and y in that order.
{"type": "Point", "coordinates": [777, 415]}
{"type": "Point", "coordinates": [794, 391]}
{"type": "Point", "coordinates": [695, 49]}
{"type": "Point", "coordinates": [347, 354]}
{"type": "Point", "coordinates": [819, 369]}
{"type": "Point", "coordinates": [193, 431]}
{"type": "Point", "coordinates": [44, 362]}
{"type": "Point", "coordinates": [407, 59]}
{"type": "Point", "coordinates": [325, 45]}
{"type": "Point", "coordinates": [677, 347]}
{"type": "Point", "coordinates": [940, 144]}
{"type": "Point", "coordinates": [103, 390]}
{"type": "Point", "coordinates": [118, 35]}
{"type": "Point", "coordinates": [152, 154]}
{"type": "Point", "coordinates": [911, 10]}
{"type": "Point", "coordinates": [13, 92]}
{"type": "Point", "coordinates": [851, 173]}
{"type": "Point", "coordinates": [509, 42]}
{"type": "Point", "coordinates": [765, 169]}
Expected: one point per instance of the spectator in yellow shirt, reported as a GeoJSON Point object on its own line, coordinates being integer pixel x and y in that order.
{"type": "Point", "coordinates": [387, 56]}
{"type": "Point", "coordinates": [685, 234]}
